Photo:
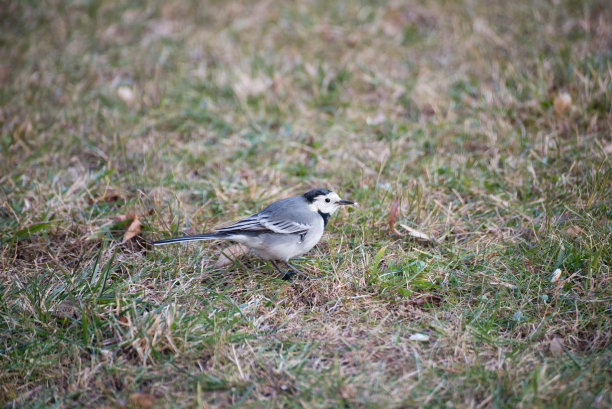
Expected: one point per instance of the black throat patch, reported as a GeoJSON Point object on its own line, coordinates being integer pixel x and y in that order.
{"type": "Point", "coordinates": [325, 217]}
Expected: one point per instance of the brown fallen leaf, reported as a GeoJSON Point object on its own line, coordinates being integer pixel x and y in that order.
{"type": "Point", "coordinates": [428, 109]}
{"type": "Point", "coordinates": [120, 218]}
{"type": "Point", "coordinates": [556, 346]}
{"type": "Point", "coordinates": [141, 400]}
{"type": "Point", "coordinates": [418, 234]}
{"type": "Point", "coordinates": [422, 299]}
{"type": "Point", "coordinates": [493, 254]}
{"type": "Point", "coordinates": [23, 397]}
{"type": "Point", "coordinates": [574, 231]}
{"type": "Point", "coordinates": [234, 251]}
{"type": "Point", "coordinates": [393, 215]}
{"type": "Point", "coordinates": [133, 230]}
{"type": "Point", "coordinates": [111, 195]}
{"type": "Point", "coordinates": [562, 102]}
{"type": "Point", "coordinates": [66, 309]}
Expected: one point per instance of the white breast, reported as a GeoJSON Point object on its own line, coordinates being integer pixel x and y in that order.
{"type": "Point", "coordinates": [313, 237]}
{"type": "Point", "coordinates": [284, 246]}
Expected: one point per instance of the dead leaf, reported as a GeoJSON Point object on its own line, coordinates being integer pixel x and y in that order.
{"type": "Point", "coordinates": [25, 396]}
{"type": "Point", "coordinates": [120, 218]}
{"type": "Point", "coordinates": [234, 251]}
{"type": "Point", "coordinates": [556, 346]}
{"type": "Point", "coordinates": [422, 299]}
{"type": "Point", "coordinates": [377, 120]}
{"type": "Point", "coordinates": [419, 337]}
{"type": "Point", "coordinates": [418, 234]}
{"type": "Point", "coordinates": [126, 95]}
{"type": "Point", "coordinates": [490, 255]}
{"type": "Point", "coordinates": [428, 109]}
{"type": "Point", "coordinates": [608, 148]}
{"type": "Point", "coordinates": [111, 195]}
{"type": "Point", "coordinates": [507, 285]}
{"type": "Point", "coordinates": [133, 230]}
{"type": "Point", "coordinates": [562, 102]}
{"type": "Point", "coordinates": [66, 309]}
{"type": "Point", "coordinates": [574, 231]}
{"type": "Point", "coordinates": [556, 275]}
{"type": "Point", "coordinates": [141, 400]}
{"type": "Point", "coordinates": [393, 215]}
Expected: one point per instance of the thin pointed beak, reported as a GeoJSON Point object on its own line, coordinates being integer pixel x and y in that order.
{"type": "Point", "coordinates": [345, 202]}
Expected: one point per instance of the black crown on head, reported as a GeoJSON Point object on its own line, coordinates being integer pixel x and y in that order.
{"type": "Point", "coordinates": [314, 193]}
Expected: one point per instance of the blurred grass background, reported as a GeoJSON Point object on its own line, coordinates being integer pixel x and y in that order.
{"type": "Point", "coordinates": [490, 120]}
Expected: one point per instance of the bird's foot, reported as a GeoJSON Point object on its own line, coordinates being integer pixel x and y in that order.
{"type": "Point", "coordinates": [287, 275]}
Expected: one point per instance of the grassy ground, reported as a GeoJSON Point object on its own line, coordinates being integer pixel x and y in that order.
{"type": "Point", "coordinates": [190, 115]}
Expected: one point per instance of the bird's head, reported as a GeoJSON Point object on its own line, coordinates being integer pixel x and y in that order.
{"type": "Point", "coordinates": [324, 201]}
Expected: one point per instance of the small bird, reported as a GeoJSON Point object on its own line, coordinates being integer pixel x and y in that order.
{"type": "Point", "coordinates": [284, 229]}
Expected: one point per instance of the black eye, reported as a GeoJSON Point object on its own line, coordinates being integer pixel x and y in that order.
{"type": "Point", "coordinates": [327, 200]}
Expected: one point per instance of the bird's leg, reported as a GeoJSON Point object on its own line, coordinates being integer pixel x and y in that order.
{"type": "Point", "coordinates": [286, 275]}
{"type": "Point", "coordinates": [295, 270]}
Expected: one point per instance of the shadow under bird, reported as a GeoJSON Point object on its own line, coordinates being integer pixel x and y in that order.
{"type": "Point", "coordinates": [284, 229]}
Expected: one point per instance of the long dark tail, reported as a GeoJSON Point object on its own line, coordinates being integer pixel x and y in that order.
{"type": "Point", "coordinates": [196, 237]}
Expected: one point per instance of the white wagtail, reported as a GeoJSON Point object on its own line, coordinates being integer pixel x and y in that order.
{"type": "Point", "coordinates": [284, 229]}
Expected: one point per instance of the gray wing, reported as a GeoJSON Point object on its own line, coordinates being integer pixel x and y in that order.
{"type": "Point", "coordinates": [281, 217]}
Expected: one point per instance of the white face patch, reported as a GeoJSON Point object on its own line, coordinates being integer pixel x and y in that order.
{"type": "Point", "coordinates": [325, 203]}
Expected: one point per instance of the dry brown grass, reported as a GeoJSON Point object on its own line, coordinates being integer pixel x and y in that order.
{"type": "Point", "coordinates": [191, 115]}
